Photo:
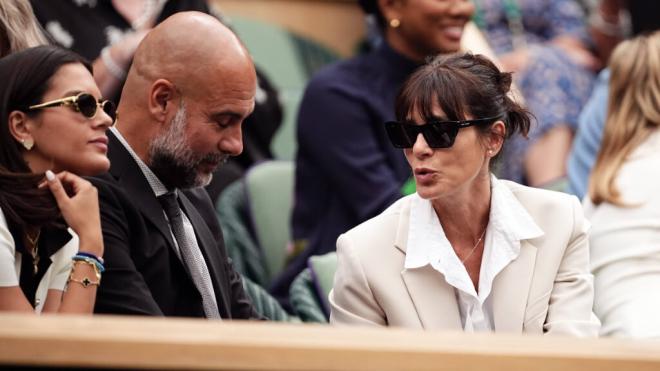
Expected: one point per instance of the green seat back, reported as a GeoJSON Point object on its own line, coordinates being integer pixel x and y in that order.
{"type": "Point", "coordinates": [231, 209]}
{"type": "Point", "coordinates": [323, 268]}
{"type": "Point", "coordinates": [304, 300]}
{"type": "Point", "coordinates": [269, 187]}
{"type": "Point", "coordinates": [265, 304]}
{"type": "Point", "coordinates": [288, 60]}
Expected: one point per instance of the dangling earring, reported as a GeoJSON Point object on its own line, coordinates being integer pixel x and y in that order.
{"type": "Point", "coordinates": [395, 23]}
{"type": "Point", "coordinates": [27, 143]}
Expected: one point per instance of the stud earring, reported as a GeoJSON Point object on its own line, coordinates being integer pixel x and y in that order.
{"type": "Point", "coordinates": [395, 23]}
{"type": "Point", "coordinates": [28, 143]}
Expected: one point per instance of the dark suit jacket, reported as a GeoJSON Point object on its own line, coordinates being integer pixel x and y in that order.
{"type": "Point", "coordinates": [144, 274]}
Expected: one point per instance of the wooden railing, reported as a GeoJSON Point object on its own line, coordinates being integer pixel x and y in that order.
{"type": "Point", "coordinates": [157, 343]}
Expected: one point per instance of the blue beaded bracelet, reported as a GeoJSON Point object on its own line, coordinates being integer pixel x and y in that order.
{"type": "Point", "coordinates": [100, 260]}
{"type": "Point", "coordinates": [87, 259]}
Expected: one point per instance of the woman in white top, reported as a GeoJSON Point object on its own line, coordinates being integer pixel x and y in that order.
{"type": "Point", "coordinates": [623, 203]}
{"type": "Point", "coordinates": [467, 251]}
{"type": "Point", "coordinates": [52, 126]}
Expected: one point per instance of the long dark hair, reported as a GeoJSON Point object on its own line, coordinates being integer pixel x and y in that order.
{"type": "Point", "coordinates": [462, 85]}
{"type": "Point", "coordinates": [25, 77]}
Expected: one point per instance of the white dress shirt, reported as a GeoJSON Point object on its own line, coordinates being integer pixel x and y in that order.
{"type": "Point", "coordinates": [509, 223]}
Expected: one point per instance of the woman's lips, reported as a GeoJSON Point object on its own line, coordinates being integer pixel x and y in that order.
{"type": "Point", "coordinates": [424, 175]}
{"type": "Point", "coordinates": [101, 143]}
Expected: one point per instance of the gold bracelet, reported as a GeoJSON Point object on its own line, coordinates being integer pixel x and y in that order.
{"type": "Point", "coordinates": [97, 272]}
{"type": "Point", "coordinates": [85, 282]}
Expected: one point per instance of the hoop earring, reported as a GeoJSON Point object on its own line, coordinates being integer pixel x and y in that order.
{"type": "Point", "coordinates": [395, 23]}
{"type": "Point", "coordinates": [27, 143]}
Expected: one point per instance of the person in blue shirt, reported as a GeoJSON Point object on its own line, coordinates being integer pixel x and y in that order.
{"type": "Point", "coordinates": [587, 140]}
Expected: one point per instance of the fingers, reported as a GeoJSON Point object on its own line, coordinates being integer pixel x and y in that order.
{"type": "Point", "coordinates": [56, 188]}
{"type": "Point", "coordinates": [60, 183]}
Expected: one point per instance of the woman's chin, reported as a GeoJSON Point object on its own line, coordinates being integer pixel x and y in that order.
{"type": "Point", "coordinates": [91, 168]}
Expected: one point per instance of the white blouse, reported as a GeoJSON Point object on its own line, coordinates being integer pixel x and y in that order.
{"type": "Point", "coordinates": [428, 245]}
{"type": "Point", "coordinates": [55, 277]}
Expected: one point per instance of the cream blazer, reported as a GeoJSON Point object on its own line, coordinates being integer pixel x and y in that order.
{"type": "Point", "coordinates": [547, 289]}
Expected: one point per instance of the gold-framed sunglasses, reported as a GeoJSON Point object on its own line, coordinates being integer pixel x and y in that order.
{"type": "Point", "coordinates": [84, 103]}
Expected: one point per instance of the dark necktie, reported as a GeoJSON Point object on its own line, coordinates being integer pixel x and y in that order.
{"type": "Point", "coordinates": [190, 253]}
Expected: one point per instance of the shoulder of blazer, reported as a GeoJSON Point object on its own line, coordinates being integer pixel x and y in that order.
{"type": "Point", "coordinates": [386, 230]}
{"type": "Point", "coordinates": [538, 197]}
{"type": "Point", "coordinates": [554, 212]}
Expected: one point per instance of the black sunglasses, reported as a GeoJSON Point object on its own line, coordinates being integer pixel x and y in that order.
{"type": "Point", "coordinates": [438, 134]}
{"type": "Point", "coordinates": [84, 103]}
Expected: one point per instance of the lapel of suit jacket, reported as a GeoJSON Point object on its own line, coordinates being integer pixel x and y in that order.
{"type": "Point", "coordinates": [511, 286]}
{"type": "Point", "coordinates": [511, 290]}
{"type": "Point", "coordinates": [434, 299]}
{"type": "Point", "coordinates": [207, 245]}
{"type": "Point", "coordinates": [131, 179]}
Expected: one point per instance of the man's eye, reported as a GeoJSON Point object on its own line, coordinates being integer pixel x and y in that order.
{"type": "Point", "coordinates": [223, 123]}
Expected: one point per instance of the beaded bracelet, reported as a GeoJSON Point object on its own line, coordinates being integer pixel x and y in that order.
{"type": "Point", "coordinates": [99, 259]}
{"type": "Point", "coordinates": [97, 264]}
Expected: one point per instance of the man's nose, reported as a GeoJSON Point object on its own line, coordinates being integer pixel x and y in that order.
{"type": "Point", "coordinates": [231, 141]}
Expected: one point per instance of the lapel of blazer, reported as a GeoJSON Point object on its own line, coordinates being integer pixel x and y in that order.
{"type": "Point", "coordinates": [511, 290]}
{"type": "Point", "coordinates": [131, 179]}
{"type": "Point", "coordinates": [433, 298]}
{"type": "Point", "coordinates": [207, 245]}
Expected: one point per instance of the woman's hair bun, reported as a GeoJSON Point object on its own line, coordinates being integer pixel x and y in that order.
{"type": "Point", "coordinates": [503, 80]}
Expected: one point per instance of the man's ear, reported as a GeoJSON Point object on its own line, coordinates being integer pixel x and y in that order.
{"type": "Point", "coordinates": [161, 99]}
{"type": "Point", "coordinates": [19, 127]}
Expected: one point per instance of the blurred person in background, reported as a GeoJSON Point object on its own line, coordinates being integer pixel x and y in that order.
{"type": "Point", "coordinates": [545, 43]}
{"type": "Point", "coordinates": [623, 203]}
{"type": "Point", "coordinates": [18, 27]}
{"type": "Point", "coordinates": [611, 22]}
{"type": "Point", "coordinates": [52, 120]}
{"type": "Point", "coordinates": [106, 31]}
{"type": "Point", "coordinates": [346, 170]}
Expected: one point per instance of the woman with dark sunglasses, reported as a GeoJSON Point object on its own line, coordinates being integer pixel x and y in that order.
{"type": "Point", "coordinates": [466, 251]}
{"type": "Point", "coordinates": [52, 126]}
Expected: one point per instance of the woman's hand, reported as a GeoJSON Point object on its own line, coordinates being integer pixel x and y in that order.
{"type": "Point", "coordinates": [122, 52]}
{"type": "Point", "coordinates": [78, 201]}
{"type": "Point", "coordinates": [577, 52]}
{"type": "Point", "coordinates": [515, 61]}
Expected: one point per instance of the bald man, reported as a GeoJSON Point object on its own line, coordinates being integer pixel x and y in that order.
{"type": "Point", "coordinates": [190, 87]}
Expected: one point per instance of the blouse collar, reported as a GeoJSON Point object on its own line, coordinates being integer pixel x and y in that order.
{"type": "Point", "coordinates": [509, 223]}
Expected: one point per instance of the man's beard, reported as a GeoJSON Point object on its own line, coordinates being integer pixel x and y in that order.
{"type": "Point", "coordinates": [172, 160]}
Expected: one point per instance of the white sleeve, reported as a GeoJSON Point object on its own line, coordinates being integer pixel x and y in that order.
{"type": "Point", "coordinates": [8, 274]}
{"type": "Point", "coordinates": [62, 263]}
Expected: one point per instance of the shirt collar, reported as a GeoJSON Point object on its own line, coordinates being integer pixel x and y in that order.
{"type": "Point", "coordinates": [511, 216]}
{"type": "Point", "coordinates": [428, 245]}
{"type": "Point", "coordinates": [156, 185]}
{"type": "Point", "coordinates": [397, 64]}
